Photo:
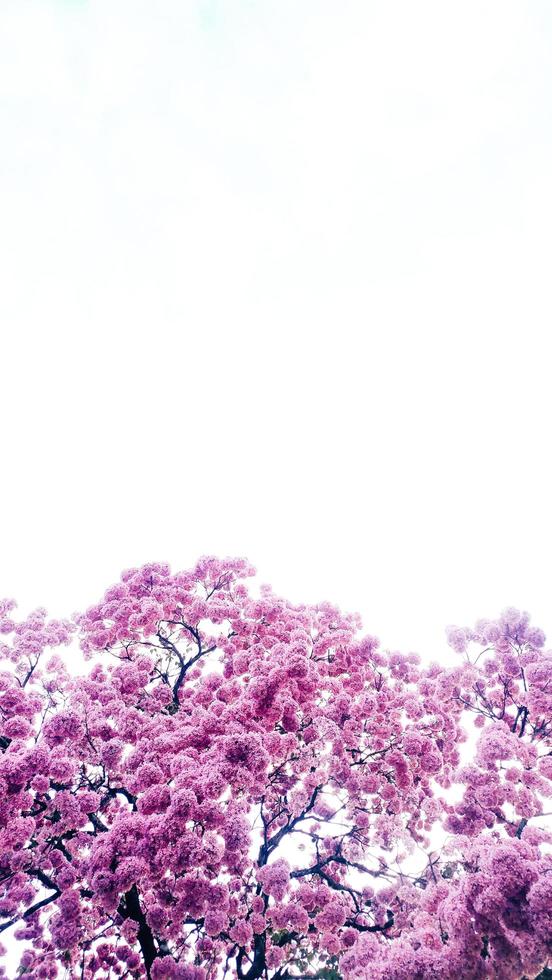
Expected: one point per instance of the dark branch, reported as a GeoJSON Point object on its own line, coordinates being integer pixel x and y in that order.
{"type": "Point", "coordinates": [130, 908]}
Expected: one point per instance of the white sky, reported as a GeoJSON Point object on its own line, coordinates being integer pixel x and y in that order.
{"type": "Point", "coordinates": [276, 282]}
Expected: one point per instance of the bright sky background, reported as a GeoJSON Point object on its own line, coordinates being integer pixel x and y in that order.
{"type": "Point", "coordinates": [276, 283]}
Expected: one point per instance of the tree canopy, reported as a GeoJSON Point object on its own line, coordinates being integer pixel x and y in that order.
{"type": "Point", "coordinates": [240, 786]}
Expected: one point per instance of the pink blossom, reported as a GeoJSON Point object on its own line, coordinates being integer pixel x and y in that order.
{"type": "Point", "coordinates": [215, 922]}
{"type": "Point", "coordinates": [275, 878]}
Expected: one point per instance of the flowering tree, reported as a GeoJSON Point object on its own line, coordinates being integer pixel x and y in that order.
{"type": "Point", "coordinates": [242, 787]}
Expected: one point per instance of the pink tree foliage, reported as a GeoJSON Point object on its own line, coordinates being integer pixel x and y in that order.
{"type": "Point", "coordinates": [237, 786]}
